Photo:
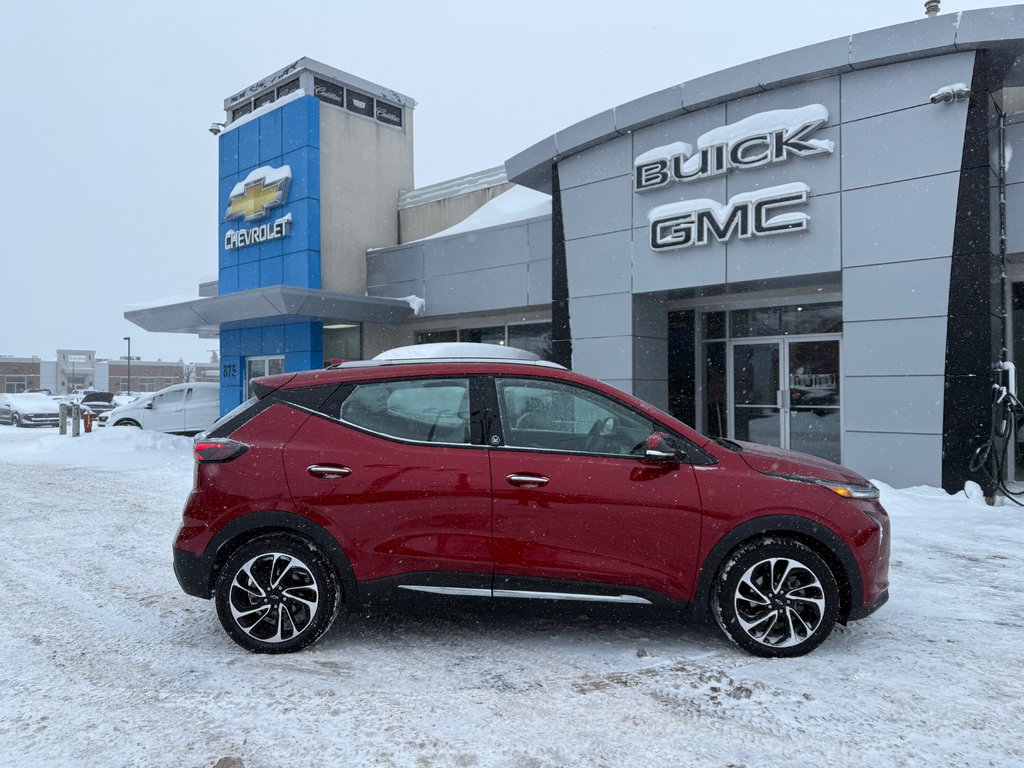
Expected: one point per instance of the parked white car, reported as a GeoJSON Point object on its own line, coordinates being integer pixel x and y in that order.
{"type": "Point", "coordinates": [181, 408]}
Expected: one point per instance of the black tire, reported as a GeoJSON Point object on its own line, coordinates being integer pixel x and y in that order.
{"type": "Point", "coordinates": [776, 597]}
{"type": "Point", "coordinates": [16, 420]}
{"type": "Point", "coordinates": [264, 614]}
{"type": "Point", "coordinates": [128, 423]}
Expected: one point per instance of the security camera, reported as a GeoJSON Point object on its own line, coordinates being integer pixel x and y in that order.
{"type": "Point", "coordinates": [216, 128]}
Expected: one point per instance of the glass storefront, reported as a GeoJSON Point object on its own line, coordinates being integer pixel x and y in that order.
{"type": "Point", "coordinates": [768, 375]}
{"type": "Point", "coordinates": [533, 337]}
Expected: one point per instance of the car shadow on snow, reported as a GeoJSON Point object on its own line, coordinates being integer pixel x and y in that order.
{"type": "Point", "coordinates": [444, 621]}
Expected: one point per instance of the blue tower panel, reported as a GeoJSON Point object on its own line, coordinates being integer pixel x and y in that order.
{"type": "Point", "coordinates": [270, 136]}
{"type": "Point", "coordinates": [248, 146]}
{"type": "Point", "coordinates": [228, 151]}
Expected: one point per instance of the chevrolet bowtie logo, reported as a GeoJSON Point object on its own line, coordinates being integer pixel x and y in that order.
{"type": "Point", "coordinates": [261, 190]}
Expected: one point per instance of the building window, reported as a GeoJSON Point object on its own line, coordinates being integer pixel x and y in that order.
{"type": "Point", "coordinates": [14, 384]}
{"type": "Point", "coordinates": [533, 337]}
{"type": "Point", "coordinates": [146, 384]}
{"type": "Point", "coordinates": [343, 341]}
{"type": "Point", "coordinates": [260, 366]}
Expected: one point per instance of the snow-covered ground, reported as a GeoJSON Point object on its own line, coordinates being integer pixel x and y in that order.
{"type": "Point", "coordinates": [104, 662]}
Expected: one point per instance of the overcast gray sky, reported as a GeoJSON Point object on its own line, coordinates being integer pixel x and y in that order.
{"type": "Point", "coordinates": [109, 174]}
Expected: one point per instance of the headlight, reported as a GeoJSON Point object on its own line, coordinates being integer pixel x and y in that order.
{"type": "Point", "coordinates": [846, 490]}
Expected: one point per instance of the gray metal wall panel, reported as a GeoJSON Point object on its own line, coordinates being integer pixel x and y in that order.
{"type": "Point", "coordinates": [923, 35]}
{"type": "Point", "coordinates": [646, 109]}
{"type": "Point", "coordinates": [814, 251]}
{"type": "Point", "coordinates": [683, 128]}
{"type": "Point", "coordinates": [893, 404]}
{"type": "Point", "coordinates": [643, 202]}
{"type": "Point", "coordinates": [921, 141]}
{"type": "Point", "coordinates": [481, 249]}
{"type": "Point", "coordinates": [900, 460]}
{"type": "Point", "coordinates": [403, 264]}
{"type": "Point", "coordinates": [539, 238]}
{"type": "Point", "coordinates": [820, 172]}
{"type": "Point", "coordinates": [650, 359]}
{"type": "Point", "coordinates": [598, 208]}
{"type": "Point", "coordinates": [600, 316]}
{"type": "Point", "coordinates": [399, 290]}
{"type": "Point", "coordinates": [479, 291]}
{"type": "Point", "coordinates": [653, 391]}
{"type": "Point", "coordinates": [605, 161]}
{"type": "Point", "coordinates": [609, 358]}
{"type": "Point", "coordinates": [709, 89]}
{"type": "Point", "coordinates": [822, 91]}
{"type": "Point", "coordinates": [828, 57]}
{"type": "Point", "coordinates": [680, 268]}
{"type": "Point", "coordinates": [904, 289]}
{"type": "Point", "coordinates": [875, 91]}
{"type": "Point", "coordinates": [895, 347]}
{"type": "Point", "coordinates": [599, 264]}
{"type": "Point", "coordinates": [539, 282]}
{"type": "Point", "coordinates": [586, 132]}
{"type": "Point", "coordinates": [902, 221]}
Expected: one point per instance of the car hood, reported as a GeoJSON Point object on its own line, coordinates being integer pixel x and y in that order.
{"type": "Point", "coordinates": [765, 458]}
{"type": "Point", "coordinates": [34, 405]}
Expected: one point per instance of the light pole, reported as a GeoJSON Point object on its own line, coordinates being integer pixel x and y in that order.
{"type": "Point", "coordinates": [129, 340]}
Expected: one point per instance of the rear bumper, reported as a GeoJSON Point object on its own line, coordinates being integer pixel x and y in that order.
{"type": "Point", "coordinates": [864, 611]}
{"type": "Point", "coordinates": [193, 572]}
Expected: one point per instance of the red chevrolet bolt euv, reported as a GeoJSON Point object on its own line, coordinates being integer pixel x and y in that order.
{"type": "Point", "coordinates": [481, 471]}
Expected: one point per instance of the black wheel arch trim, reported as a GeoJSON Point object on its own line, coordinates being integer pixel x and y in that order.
{"type": "Point", "coordinates": [781, 525]}
{"type": "Point", "coordinates": [196, 573]}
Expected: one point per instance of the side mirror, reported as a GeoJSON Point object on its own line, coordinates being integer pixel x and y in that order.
{"type": "Point", "coordinates": [662, 448]}
{"type": "Point", "coordinates": [149, 406]}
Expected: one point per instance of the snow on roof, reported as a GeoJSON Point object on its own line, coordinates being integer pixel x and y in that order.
{"type": "Point", "coordinates": [460, 185]}
{"type": "Point", "coordinates": [460, 350]}
{"type": "Point", "coordinates": [516, 204]}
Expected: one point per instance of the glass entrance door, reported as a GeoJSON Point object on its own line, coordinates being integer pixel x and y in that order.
{"type": "Point", "coordinates": [785, 392]}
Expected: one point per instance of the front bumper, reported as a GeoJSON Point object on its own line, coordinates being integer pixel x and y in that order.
{"type": "Point", "coordinates": [864, 611]}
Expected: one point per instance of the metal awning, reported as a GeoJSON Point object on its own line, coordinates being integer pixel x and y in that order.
{"type": "Point", "coordinates": [204, 316]}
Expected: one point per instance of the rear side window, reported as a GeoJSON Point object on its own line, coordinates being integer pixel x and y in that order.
{"type": "Point", "coordinates": [424, 410]}
{"type": "Point", "coordinates": [313, 399]}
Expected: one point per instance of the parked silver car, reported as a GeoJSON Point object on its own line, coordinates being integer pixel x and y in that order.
{"type": "Point", "coordinates": [29, 409]}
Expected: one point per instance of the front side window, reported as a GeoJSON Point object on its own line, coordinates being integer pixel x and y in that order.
{"type": "Point", "coordinates": [548, 415]}
{"type": "Point", "coordinates": [424, 410]}
{"type": "Point", "coordinates": [169, 399]}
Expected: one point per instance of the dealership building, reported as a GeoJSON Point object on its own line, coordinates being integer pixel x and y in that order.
{"type": "Point", "coordinates": [822, 249]}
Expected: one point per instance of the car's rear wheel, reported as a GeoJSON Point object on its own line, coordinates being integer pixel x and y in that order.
{"type": "Point", "coordinates": [277, 594]}
{"type": "Point", "coordinates": [776, 597]}
{"type": "Point", "coordinates": [16, 420]}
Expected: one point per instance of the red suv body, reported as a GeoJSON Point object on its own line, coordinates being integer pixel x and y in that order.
{"type": "Point", "coordinates": [511, 479]}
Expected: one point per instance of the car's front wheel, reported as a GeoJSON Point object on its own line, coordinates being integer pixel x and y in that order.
{"type": "Point", "coordinates": [277, 594]}
{"type": "Point", "coordinates": [776, 597]}
{"type": "Point", "coordinates": [16, 420]}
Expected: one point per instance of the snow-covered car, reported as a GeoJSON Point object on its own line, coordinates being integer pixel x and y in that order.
{"type": "Point", "coordinates": [29, 410]}
{"type": "Point", "coordinates": [98, 402]}
{"type": "Point", "coordinates": [181, 408]}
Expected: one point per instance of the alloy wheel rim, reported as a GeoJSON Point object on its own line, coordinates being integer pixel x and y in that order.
{"type": "Point", "coordinates": [274, 597]}
{"type": "Point", "coordinates": [779, 602]}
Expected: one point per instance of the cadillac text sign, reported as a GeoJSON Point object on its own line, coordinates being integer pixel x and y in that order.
{"type": "Point", "coordinates": [755, 142]}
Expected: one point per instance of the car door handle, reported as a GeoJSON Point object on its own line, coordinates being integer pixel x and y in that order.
{"type": "Point", "coordinates": [328, 472]}
{"type": "Point", "coordinates": [527, 481]}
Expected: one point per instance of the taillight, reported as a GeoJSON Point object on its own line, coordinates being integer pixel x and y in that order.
{"type": "Point", "coordinates": [218, 450]}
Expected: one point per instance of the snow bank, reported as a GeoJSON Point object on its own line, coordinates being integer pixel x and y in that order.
{"type": "Point", "coordinates": [109, 449]}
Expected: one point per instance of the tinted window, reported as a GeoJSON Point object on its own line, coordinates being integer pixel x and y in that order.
{"type": "Point", "coordinates": [554, 416]}
{"type": "Point", "coordinates": [426, 410]}
{"type": "Point", "coordinates": [169, 399]}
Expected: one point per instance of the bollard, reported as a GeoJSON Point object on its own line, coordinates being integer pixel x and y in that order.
{"type": "Point", "coordinates": [87, 421]}
{"type": "Point", "coordinates": [63, 418]}
{"type": "Point", "coordinates": [76, 420]}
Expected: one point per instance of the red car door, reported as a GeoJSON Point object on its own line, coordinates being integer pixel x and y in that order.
{"type": "Point", "coordinates": [395, 479]}
{"type": "Point", "coordinates": [574, 502]}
